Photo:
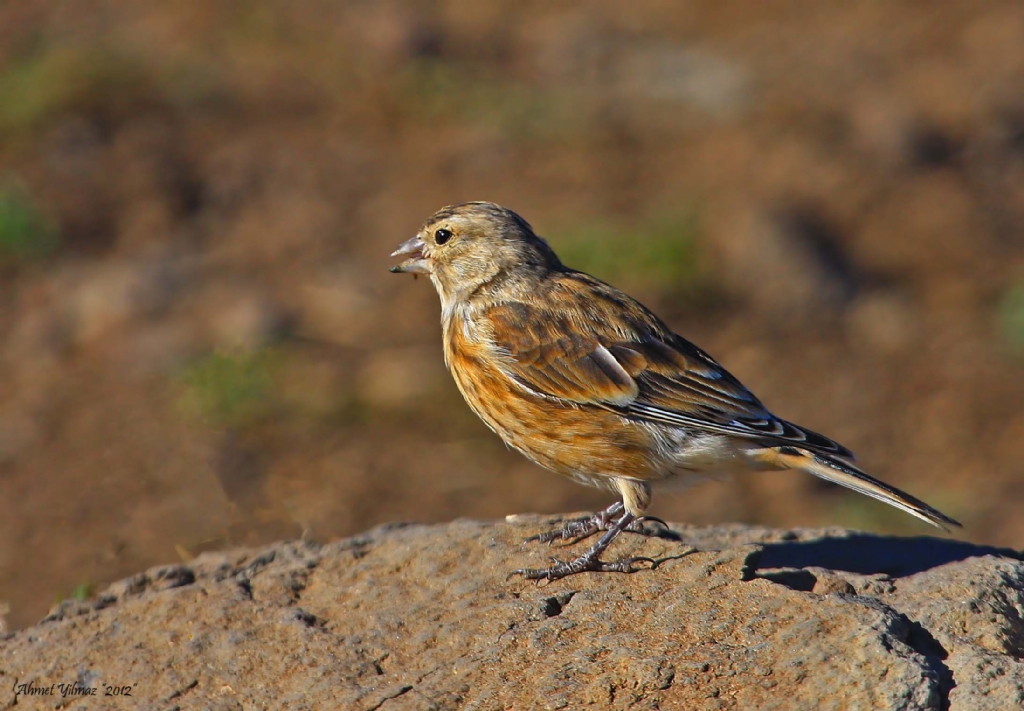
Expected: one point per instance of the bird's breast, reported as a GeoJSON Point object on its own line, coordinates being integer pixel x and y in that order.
{"type": "Point", "coordinates": [582, 441]}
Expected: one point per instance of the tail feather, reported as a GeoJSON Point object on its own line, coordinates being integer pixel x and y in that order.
{"type": "Point", "coordinates": [845, 474]}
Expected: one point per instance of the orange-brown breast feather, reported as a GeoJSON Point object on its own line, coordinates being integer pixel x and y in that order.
{"type": "Point", "coordinates": [556, 432]}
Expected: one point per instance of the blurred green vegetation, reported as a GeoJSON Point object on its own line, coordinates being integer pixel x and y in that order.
{"type": "Point", "coordinates": [659, 252]}
{"type": "Point", "coordinates": [49, 84]}
{"type": "Point", "coordinates": [82, 591]}
{"type": "Point", "coordinates": [256, 53]}
{"type": "Point", "coordinates": [454, 91]}
{"type": "Point", "coordinates": [111, 82]}
{"type": "Point", "coordinates": [1011, 317]}
{"type": "Point", "coordinates": [231, 389]}
{"type": "Point", "coordinates": [26, 234]}
{"type": "Point", "coordinates": [247, 388]}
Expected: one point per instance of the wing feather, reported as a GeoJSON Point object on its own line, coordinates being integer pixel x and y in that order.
{"type": "Point", "coordinates": [620, 357]}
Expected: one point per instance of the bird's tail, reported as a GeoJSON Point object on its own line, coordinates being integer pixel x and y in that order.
{"type": "Point", "coordinates": [845, 474]}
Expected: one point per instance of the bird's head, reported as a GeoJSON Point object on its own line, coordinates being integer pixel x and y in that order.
{"type": "Point", "coordinates": [463, 247]}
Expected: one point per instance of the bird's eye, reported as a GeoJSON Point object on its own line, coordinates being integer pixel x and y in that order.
{"type": "Point", "coordinates": [442, 235]}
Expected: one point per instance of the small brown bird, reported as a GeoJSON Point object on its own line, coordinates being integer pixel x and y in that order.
{"type": "Point", "coordinates": [587, 382]}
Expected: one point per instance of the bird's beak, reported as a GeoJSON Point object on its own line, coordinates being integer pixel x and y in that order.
{"type": "Point", "coordinates": [417, 263]}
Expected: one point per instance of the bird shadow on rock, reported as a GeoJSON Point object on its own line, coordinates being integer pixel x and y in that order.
{"type": "Point", "coordinates": [866, 554]}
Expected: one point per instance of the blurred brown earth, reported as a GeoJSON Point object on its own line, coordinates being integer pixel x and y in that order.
{"type": "Point", "coordinates": [202, 346]}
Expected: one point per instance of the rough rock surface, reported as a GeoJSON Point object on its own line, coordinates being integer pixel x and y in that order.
{"type": "Point", "coordinates": [422, 617]}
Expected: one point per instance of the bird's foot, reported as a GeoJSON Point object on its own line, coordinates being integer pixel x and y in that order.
{"type": "Point", "coordinates": [580, 529]}
{"type": "Point", "coordinates": [584, 564]}
{"type": "Point", "coordinates": [591, 560]}
{"type": "Point", "coordinates": [574, 531]}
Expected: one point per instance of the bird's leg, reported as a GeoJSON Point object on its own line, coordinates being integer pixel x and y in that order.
{"type": "Point", "coordinates": [590, 561]}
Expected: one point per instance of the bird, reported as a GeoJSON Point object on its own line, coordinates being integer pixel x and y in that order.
{"type": "Point", "coordinates": [587, 382]}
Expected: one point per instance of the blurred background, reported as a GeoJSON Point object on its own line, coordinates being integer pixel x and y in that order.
{"type": "Point", "coordinates": [202, 346]}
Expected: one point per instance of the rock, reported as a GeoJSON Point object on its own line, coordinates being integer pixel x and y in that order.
{"type": "Point", "coordinates": [338, 308]}
{"type": "Point", "coordinates": [423, 617]}
{"type": "Point", "coordinates": [97, 299]}
{"type": "Point", "coordinates": [397, 377]}
{"type": "Point", "coordinates": [19, 430]}
{"type": "Point", "coordinates": [238, 317]}
{"type": "Point", "coordinates": [697, 77]}
{"type": "Point", "coordinates": [887, 322]}
{"type": "Point", "coordinates": [788, 261]}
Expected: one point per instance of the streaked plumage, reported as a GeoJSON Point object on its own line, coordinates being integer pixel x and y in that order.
{"type": "Point", "coordinates": [584, 380]}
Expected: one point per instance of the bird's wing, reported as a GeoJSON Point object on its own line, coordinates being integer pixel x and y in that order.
{"type": "Point", "coordinates": [544, 353]}
{"type": "Point", "coordinates": [681, 385]}
{"type": "Point", "coordinates": [629, 362]}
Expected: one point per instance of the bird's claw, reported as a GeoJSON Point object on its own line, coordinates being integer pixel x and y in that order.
{"type": "Point", "coordinates": [638, 525]}
{"type": "Point", "coordinates": [580, 529]}
{"type": "Point", "coordinates": [563, 569]}
{"type": "Point", "coordinates": [573, 532]}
